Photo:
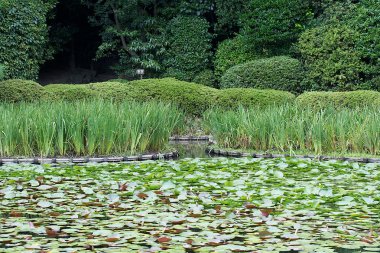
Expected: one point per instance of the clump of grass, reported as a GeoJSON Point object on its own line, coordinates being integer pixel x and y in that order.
{"type": "Point", "coordinates": [85, 128]}
{"type": "Point", "coordinates": [292, 128]}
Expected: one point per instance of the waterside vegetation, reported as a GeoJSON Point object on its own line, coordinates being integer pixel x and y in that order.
{"type": "Point", "coordinates": [86, 128]}
{"type": "Point", "coordinates": [294, 128]}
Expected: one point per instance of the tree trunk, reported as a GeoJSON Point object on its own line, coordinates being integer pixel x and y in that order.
{"type": "Point", "coordinates": [118, 28]}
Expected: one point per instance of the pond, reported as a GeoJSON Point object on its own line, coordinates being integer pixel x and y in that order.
{"type": "Point", "coordinates": [191, 205]}
{"type": "Point", "coordinates": [191, 149]}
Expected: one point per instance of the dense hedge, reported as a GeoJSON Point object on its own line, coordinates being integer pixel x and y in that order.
{"type": "Point", "coordinates": [230, 53]}
{"type": "Point", "coordinates": [2, 74]}
{"type": "Point", "coordinates": [16, 90]}
{"type": "Point", "coordinates": [191, 97]}
{"type": "Point", "coordinates": [272, 26]}
{"type": "Point", "coordinates": [24, 37]}
{"type": "Point", "coordinates": [189, 50]}
{"type": "Point", "coordinates": [205, 77]}
{"type": "Point", "coordinates": [233, 97]}
{"type": "Point", "coordinates": [68, 92]}
{"type": "Point", "coordinates": [350, 99]}
{"type": "Point", "coordinates": [280, 73]}
{"type": "Point", "coordinates": [341, 53]}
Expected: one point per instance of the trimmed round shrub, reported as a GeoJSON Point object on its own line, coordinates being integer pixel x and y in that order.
{"type": "Point", "coordinates": [191, 97]}
{"type": "Point", "coordinates": [17, 90]}
{"type": "Point", "coordinates": [376, 103]}
{"type": "Point", "coordinates": [347, 99]}
{"type": "Point", "coordinates": [233, 97]}
{"type": "Point", "coordinates": [280, 73]}
{"type": "Point", "coordinates": [231, 53]}
{"type": "Point", "coordinates": [68, 92]}
{"type": "Point", "coordinates": [117, 90]}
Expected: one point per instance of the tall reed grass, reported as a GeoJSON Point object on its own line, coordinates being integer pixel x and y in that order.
{"type": "Point", "coordinates": [291, 128]}
{"type": "Point", "coordinates": [85, 128]}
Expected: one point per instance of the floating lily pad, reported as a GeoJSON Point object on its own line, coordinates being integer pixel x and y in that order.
{"type": "Point", "coordinates": [215, 205]}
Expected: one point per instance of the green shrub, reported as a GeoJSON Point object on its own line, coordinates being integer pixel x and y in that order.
{"type": "Point", "coordinates": [24, 37]}
{"type": "Point", "coordinates": [373, 84]}
{"type": "Point", "coordinates": [117, 90]}
{"type": "Point", "coordinates": [178, 74]}
{"type": "Point", "coordinates": [191, 97]}
{"type": "Point", "coordinates": [233, 97]}
{"type": "Point", "coordinates": [350, 99]}
{"type": "Point", "coordinates": [205, 77]}
{"type": "Point", "coordinates": [376, 102]}
{"type": "Point", "coordinates": [230, 53]}
{"type": "Point", "coordinates": [280, 73]}
{"type": "Point", "coordinates": [342, 52]}
{"type": "Point", "coordinates": [16, 90]}
{"type": "Point", "coordinates": [331, 59]}
{"type": "Point", "coordinates": [68, 92]}
{"type": "Point", "coordinates": [189, 50]}
{"type": "Point", "coordinates": [228, 15]}
{"type": "Point", "coordinates": [2, 74]}
{"type": "Point", "coordinates": [272, 26]}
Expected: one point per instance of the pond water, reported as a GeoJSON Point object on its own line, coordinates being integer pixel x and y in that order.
{"type": "Point", "coordinates": [190, 149]}
{"type": "Point", "coordinates": [191, 205]}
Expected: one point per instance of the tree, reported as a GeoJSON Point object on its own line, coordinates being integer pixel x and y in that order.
{"type": "Point", "coordinates": [342, 52]}
{"type": "Point", "coordinates": [189, 47]}
{"type": "Point", "coordinates": [24, 37]}
{"type": "Point", "coordinates": [228, 15]}
{"type": "Point", "coordinates": [132, 30]}
{"type": "Point", "coordinates": [272, 26]}
{"type": "Point", "coordinates": [232, 52]}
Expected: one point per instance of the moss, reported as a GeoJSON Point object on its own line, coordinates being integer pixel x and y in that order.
{"type": "Point", "coordinates": [17, 90]}
{"type": "Point", "coordinates": [348, 99]}
{"type": "Point", "coordinates": [232, 98]}
{"type": "Point", "coordinates": [68, 92]}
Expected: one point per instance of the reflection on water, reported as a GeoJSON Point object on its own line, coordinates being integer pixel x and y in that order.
{"type": "Point", "coordinates": [190, 149]}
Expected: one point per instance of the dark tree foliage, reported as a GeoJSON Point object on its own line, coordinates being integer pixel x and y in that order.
{"type": "Point", "coordinates": [335, 41]}
{"type": "Point", "coordinates": [196, 7]}
{"type": "Point", "coordinates": [132, 30]}
{"type": "Point", "coordinates": [272, 26]}
{"type": "Point", "coordinates": [228, 15]}
{"type": "Point", "coordinates": [74, 40]}
{"type": "Point", "coordinates": [189, 48]}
